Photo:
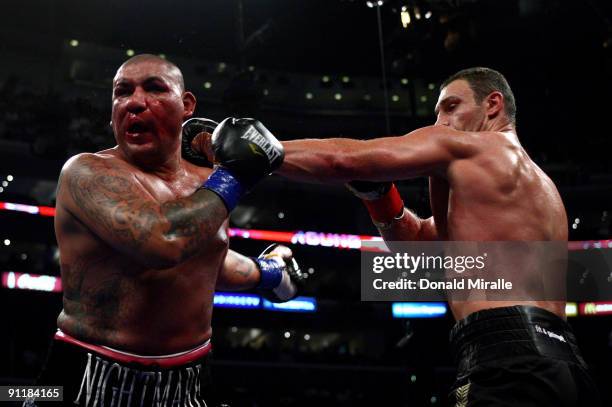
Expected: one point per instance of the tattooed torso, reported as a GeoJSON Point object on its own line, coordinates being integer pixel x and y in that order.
{"type": "Point", "coordinates": [139, 254]}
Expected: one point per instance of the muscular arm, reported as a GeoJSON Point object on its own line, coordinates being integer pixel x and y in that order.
{"type": "Point", "coordinates": [105, 196]}
{"type": "Point", "coordinates": [238, 273]}
{"type": "Point", "coordinates": [337, 160]}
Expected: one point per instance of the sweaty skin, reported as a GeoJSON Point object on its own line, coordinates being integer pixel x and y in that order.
{"type": "Point", "coordinates": [141, 248]}
{"type": "Point", "coordinates": [483, 185]}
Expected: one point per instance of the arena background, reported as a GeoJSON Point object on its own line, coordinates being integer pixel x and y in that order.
{"type": "Point", "coordinates": [306, 69]}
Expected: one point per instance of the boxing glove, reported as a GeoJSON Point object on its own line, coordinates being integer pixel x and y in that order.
{"type": "Point", "coordinates": [191, 128]}
{"type": "Point", "coordinates": [244, 152]}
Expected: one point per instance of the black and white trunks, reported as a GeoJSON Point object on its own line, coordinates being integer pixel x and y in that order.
{"type": "Point", "coordinates": [96, 376]}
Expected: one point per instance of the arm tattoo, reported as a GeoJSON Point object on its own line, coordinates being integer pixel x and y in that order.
{"type": "Point", "coordinates": [112, 200]}
{"type": "Point", "coordinates": [244, 268]}
{"type": "Point", "coordinates": [194, 218]}
{"type": "Point", "coordinates": [109, 196]}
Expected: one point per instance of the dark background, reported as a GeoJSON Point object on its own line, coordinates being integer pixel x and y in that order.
{"type": "Point", "coordinates": [262, 58]}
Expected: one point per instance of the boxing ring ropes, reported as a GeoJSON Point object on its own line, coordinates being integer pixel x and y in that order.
{"type": "Point", "coordinates": [300, 237]}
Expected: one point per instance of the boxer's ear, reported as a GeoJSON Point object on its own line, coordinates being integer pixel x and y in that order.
{"type": "Point", "coordinates": [494, 103]}
{"type": "Point", "coordinates": [189, 104]}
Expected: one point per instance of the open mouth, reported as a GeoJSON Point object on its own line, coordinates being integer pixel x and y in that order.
{"type": "Point", "coordinates": [137, 127]}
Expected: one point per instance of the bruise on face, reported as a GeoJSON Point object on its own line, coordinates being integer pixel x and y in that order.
{"type": "Point", "coordinates": [148, 99]}
{"type": "Point", "coordinates": [152, 76]}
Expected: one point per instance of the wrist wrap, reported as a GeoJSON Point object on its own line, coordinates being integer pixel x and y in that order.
{"type": "Point", "coordinates": [270, 271]}
{"type": "Point", "coordinates": [223, 183]}
{"type": "Point", "coordinates": [387, 207]}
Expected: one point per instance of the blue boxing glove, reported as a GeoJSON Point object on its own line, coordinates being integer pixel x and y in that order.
{"type": "Point", "coordinates": [281, 277]}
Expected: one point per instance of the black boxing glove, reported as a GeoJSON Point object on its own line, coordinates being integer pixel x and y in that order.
{"type": "Point", "coordinates": [281, 277]}
{"type": "Point", "coordinates": [245, 152]}
{"type": "Point", "coordinates": [247, 149]}
{"type": "Point", "coordinates": [191, 128]}
{"type": "Point", "coordinates": [382, 199]}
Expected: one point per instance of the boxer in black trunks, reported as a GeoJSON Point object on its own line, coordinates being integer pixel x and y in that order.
{"type": "Point", "coordinates": [483, 187]}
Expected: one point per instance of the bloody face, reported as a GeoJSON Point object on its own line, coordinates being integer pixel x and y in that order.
{"type": "Point", "coordinates": [147, 110]}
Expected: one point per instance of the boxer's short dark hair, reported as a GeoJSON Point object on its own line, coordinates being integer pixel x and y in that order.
{"type": "Point", "coordinates": [483, 81]}
{"type": "Point", "coordinates": [151, 57]}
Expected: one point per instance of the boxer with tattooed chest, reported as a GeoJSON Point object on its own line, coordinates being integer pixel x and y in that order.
{"type": "Point", "coordinates": [143, 243]}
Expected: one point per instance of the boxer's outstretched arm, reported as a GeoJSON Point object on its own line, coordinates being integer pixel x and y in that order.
{"type": "Point", "coordinates": [107, 198]}
{"type": "Point", "coordinates": [238, 273]}
{"type": "Point", "coordinates": [425, 151]}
